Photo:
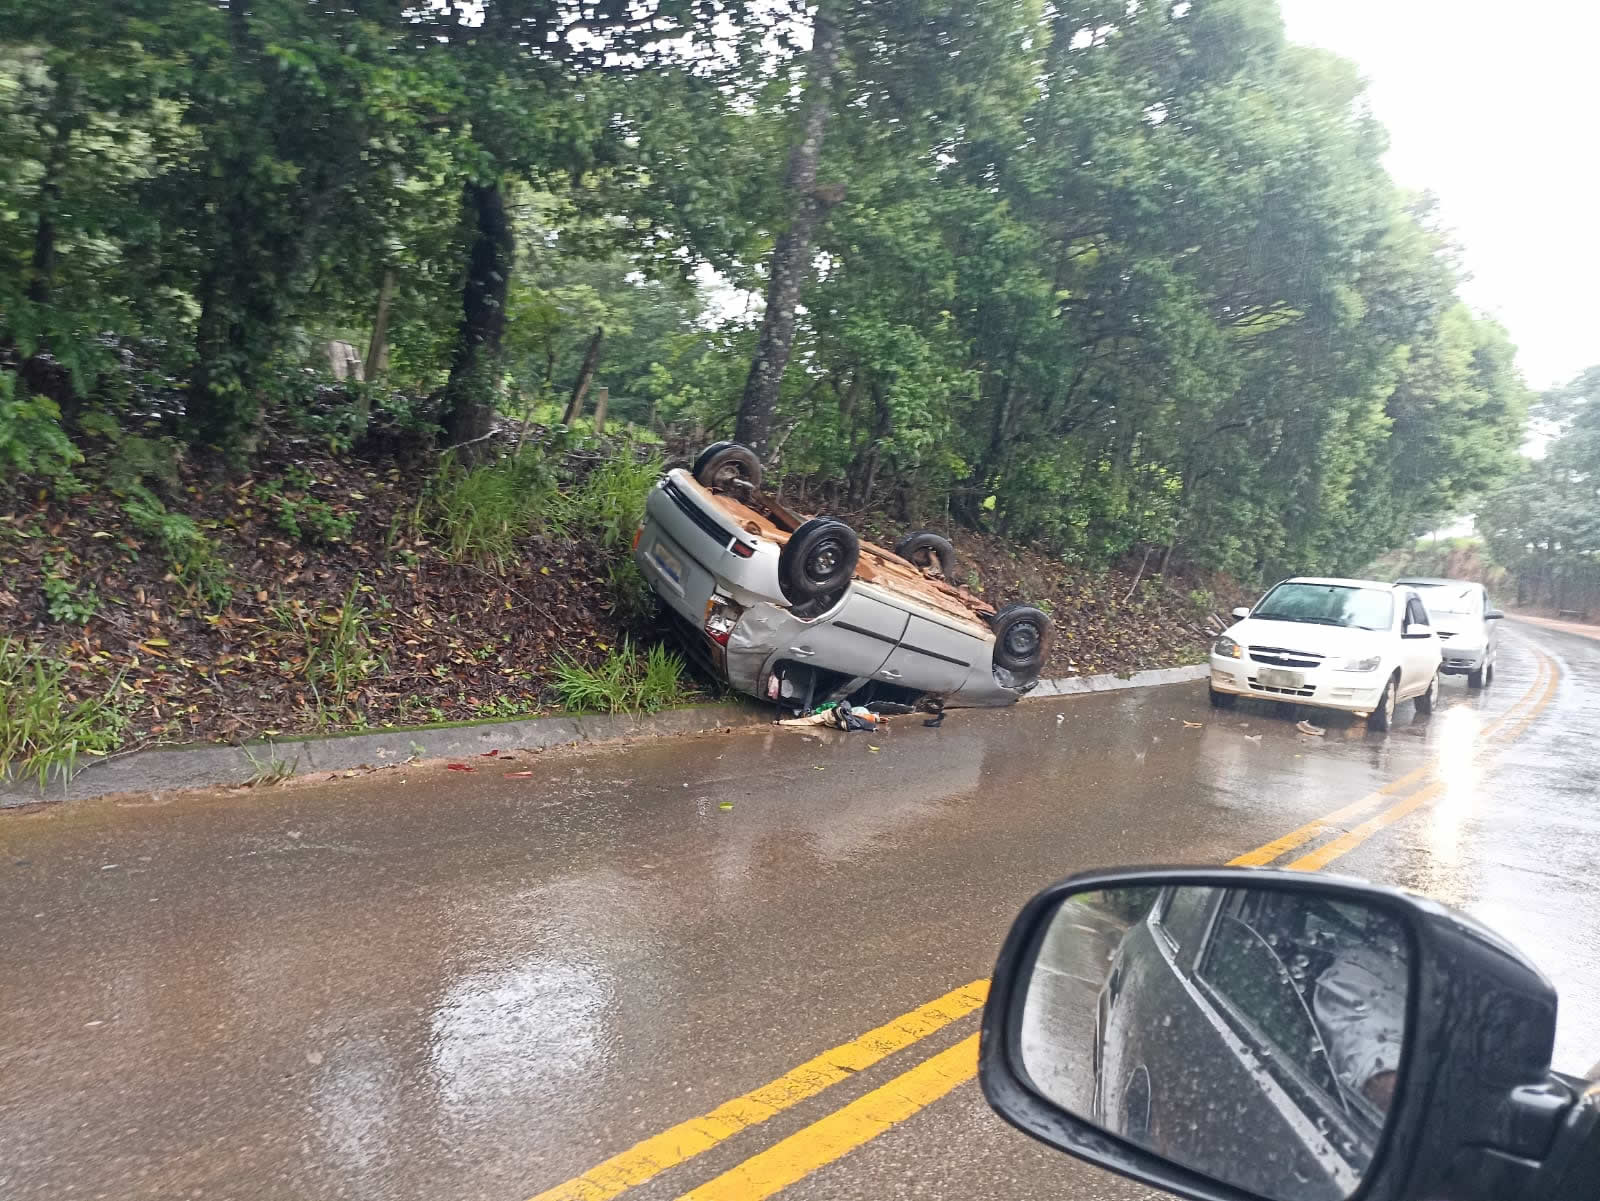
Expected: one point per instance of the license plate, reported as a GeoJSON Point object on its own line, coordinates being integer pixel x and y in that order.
{"type": "Point", "coordinates": [1276, 677]}
{"type": "Point", "coordinates": [668, 564]}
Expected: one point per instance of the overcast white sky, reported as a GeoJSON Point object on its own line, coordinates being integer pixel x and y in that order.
{"type": "Point", "coordinates": [1494, 109]}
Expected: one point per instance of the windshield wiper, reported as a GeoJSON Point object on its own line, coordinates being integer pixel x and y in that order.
{"type": "Point", "coordinates": [1316, 621]}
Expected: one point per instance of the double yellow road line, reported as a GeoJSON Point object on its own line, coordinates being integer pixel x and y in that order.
{"type": "Point", "coordinates": [831, 1137]}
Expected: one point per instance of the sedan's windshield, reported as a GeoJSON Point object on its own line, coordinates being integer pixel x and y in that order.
{"type": "Point", "coordinates": [1329, 605]}
{"type": "Point", "coordinates": [1449, 598]}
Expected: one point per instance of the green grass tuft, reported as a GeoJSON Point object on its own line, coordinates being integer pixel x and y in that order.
{"type": "Point", "coordinates": [43, 731]}
{"type": "Point", "coordinates": [625, 682]}
{"type": "Point", "coordinates": [480, 513]}
{"type": "Point", "coordinates": [609, 504]}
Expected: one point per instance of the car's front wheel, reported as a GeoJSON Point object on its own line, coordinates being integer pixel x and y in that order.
{"type": "Point", "coordinates": [1430, 698]}
{"type": "Point", "coordinates": [1221, 700]}
{"type": "Point", "coordinates": [1481, 677]}
{"type": "Point", "coordinates": [1381, 716]}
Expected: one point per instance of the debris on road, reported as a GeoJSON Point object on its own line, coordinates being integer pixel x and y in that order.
{"type": "Point", "coordinates": [838, 717]}
{"type": "Point", "coordinates": [1193, 725]}
{"type": "Point", "coordinates": [458, 767]}
{"type": "Point", "coordinates": [1305, 727]}
{"type": "Point", "coordinates": [1252, 737]}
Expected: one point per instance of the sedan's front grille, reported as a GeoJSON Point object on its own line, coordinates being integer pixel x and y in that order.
{"type": "Point", "coordinates": [1309, 690]}
{"type": "Point", "coordinates": [1278, 656]}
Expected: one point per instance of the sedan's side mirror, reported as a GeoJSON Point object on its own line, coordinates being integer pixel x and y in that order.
{"type": "Point", "coordinates": [1241, 612]}
{"type": "Point", "coordinates": [1416, 629]}
{"type": "Point", "coordinates": [1493, 615]}
{"type": "Point", "coordinates": [1256, 1035]}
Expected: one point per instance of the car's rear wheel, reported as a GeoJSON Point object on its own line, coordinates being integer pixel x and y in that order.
{"type": "Point", "coordinates": [818, 560]}
{"type": "Point", "coordinates": [1221, 700]}
{"type": "Point", "coordinates": [722, 464]}
{"type": "Point", "coordinates": [924, 548]}
{"type": "Point", "coordinates": [1022, 636]}
{"type": "Point", "coordinates": [1430, 698]}
{"type": "Point", "coordinates": [1380, 717]}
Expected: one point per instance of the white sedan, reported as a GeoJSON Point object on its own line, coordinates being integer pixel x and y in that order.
{"type": "Point", "coordinates": [1355, 645]}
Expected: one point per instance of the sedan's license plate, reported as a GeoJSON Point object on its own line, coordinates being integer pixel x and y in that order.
{"type": "Point", "coordinates": [1276, 677]}
{"type": "Point", "coordinates": [669, 564]}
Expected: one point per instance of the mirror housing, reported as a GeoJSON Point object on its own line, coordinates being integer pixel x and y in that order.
{"type": "Point", "coordinates": [1241, 612]}
{"type": "Point", "coordinates": [1416, 630]}
{"type": "Point", "coordinates": [1480, 1032]}
{"type": "Point", "coordinates": [1493, 615]}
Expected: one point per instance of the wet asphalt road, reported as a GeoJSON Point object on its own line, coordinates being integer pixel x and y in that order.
{"type": "Point", "coordinates": [431, 984]}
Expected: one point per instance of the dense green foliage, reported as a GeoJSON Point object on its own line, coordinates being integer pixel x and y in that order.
{"type": "Point", "coordinates": [1099, 277]}
{"type": "Point", "coordinates": [1544, 525]}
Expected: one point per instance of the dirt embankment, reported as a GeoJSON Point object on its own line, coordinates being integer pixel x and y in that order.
{"type": "Point", "coordinates": [322, 602]}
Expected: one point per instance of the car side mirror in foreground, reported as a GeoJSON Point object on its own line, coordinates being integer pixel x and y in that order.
{"type": "Point", "coordinates": [1493, 615]}
{"type": "Point", "coordinates": [1415, 629]}
{"type": "Point", "coordinates": [1241, 612]}
{"type": "Point", "coordinates": [1256, 1035]}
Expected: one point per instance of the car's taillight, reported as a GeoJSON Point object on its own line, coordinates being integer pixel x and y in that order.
{"type": "Point", "coordinates": [743, 550]}
{"type": "Point", "coordinates": [721, 616]}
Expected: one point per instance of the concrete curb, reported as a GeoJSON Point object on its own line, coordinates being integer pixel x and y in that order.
{"type": "Point", "coordinates": [231, 766]}
{"type": "Point", "coordinates": [1078, 685]}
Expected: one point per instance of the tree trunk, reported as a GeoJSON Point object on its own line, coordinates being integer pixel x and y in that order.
{"type": "Point", "coordinates": [378, 348]}
{"type": "Point", "coordinates": [475, 366]}
{"type": "Point", "coordinates": [791, 256]}
{"type": "Point", "coordinates": [591, 360]}
{"type": "Point", "coordinates": [63, 120]}
{"type": "Point", "coordinates": [602, 399]}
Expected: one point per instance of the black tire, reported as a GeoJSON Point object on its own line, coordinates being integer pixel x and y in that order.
{"type": "Point", "coordinates": [721, 463]}
{"type": "Point", "coordinates": [1477, 679]}
{"type": "Point", "coordinates": [818, 560]}
{"type": "Point", "coordinates": [1430, 698]}
{"type": "Point", "coordinates": [1221, 700]}
{"type": "Point", "coordinates": [1022, 636]}
{"type": "Point", "coordinates": [1488, 673]}
{"type": "Point", "coordinates": [1380, 717]}
{"type": "Point", "coordinates": [915, 548]}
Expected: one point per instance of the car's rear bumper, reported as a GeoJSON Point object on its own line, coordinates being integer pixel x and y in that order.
{"type": "Point", "coordinates": [1351, 692]}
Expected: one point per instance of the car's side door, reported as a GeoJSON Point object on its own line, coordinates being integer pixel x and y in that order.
{"type": "Point", "coordinates": [1419, 646]}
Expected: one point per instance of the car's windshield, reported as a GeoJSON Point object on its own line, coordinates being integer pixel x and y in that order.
{"type": "Point", "coordinates": [1329, 604]}
{"type": "Point", "coordinates": [1449, 599]}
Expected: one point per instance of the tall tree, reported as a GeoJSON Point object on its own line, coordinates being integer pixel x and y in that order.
{"type": "Point", "coordinates": [790, 264]}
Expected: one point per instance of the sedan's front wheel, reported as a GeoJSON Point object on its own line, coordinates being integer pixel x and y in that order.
{"type": "Point", "coordinates": [1380, 717]}
{"type": "Point", "coordinates": [1221, 700]}
{"type": "Point", "coordinates": [1430, 698]}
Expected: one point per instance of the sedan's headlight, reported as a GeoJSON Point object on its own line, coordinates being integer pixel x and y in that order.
{"type": "Point", "coordinates": [1369, 664]}
{"type": "Point", "coordinates": [1227, 648]}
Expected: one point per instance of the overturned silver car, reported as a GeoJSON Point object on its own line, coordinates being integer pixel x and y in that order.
{"type": "Point", "coordinates": [800, 611]}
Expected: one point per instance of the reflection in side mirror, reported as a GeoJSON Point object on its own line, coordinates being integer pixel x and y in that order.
{"type": "Point", "coordinates": [1253, 1034]}
{"type": "Point", "coordinates": [1242, 612]}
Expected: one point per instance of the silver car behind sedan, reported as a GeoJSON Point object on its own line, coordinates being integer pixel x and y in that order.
{"type": "Point", "coordinates": [1465, 623]}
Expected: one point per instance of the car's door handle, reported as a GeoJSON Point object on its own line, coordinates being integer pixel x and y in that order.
{"type": "Point", "coordinates": [889, 674]}
{"type": "Point", "coordinates": [804, 652]}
